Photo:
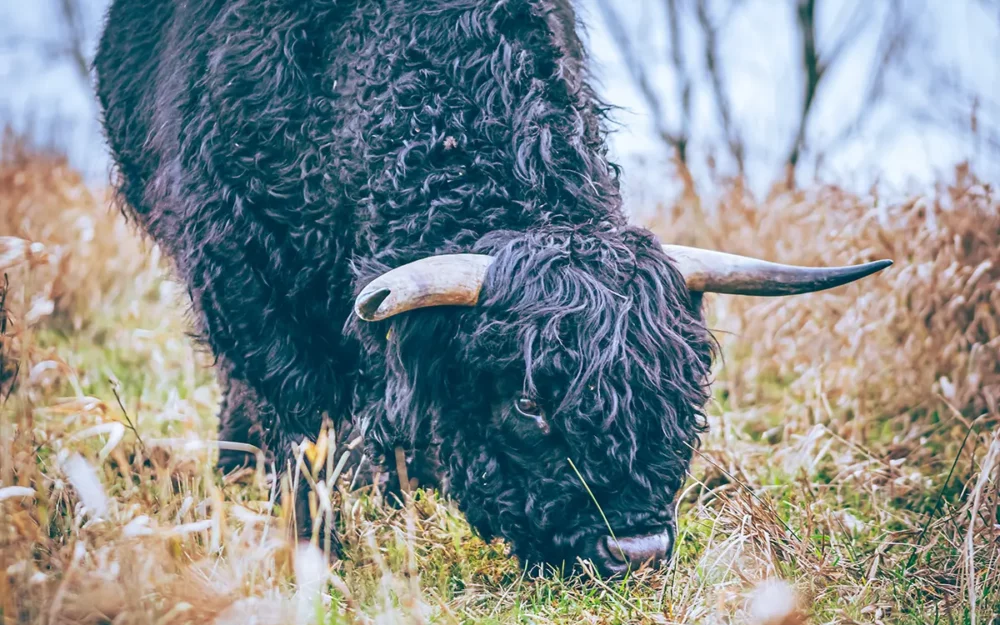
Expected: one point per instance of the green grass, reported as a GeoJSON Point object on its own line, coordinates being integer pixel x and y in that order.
{"type": "Point", "coordinates": [756, 517]}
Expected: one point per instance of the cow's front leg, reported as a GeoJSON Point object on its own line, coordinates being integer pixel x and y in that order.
{"type": "Point", "coordinates": [242, 419]}
{"type": "Point", "coordinates": [246, 418]}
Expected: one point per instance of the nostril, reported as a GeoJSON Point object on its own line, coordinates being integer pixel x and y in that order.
{"type": "Point", "coordinates": [615, 550]}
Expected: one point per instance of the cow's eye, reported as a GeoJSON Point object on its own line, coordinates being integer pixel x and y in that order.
{"type": "Point", "coordinates": [527, 407]}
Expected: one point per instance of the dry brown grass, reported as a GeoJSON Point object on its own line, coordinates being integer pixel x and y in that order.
{"type": "Point", "coordinates": [895, 379]}
{"type": "Point", "coordinates": [852, 449]}
{"type": "Point", "coordinates": [87, 255]}
{"type": "Point", "coordinates": [927, 328]}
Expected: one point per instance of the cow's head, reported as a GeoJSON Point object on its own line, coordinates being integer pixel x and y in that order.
{"type": "Point", "coordinates": [564, 375]}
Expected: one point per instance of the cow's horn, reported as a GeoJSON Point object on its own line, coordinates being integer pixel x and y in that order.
{"type": "Point", "coordinates": [444, 280]}
{"type": "Point", "coordinates": [456, 279]}
{"type": "Point", "coordinates": [708, 271]}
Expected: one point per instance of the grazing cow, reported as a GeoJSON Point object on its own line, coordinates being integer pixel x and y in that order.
{"type": "Point", "coordinates": [400, 214]}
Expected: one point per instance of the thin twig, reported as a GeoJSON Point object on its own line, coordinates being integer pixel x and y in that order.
{"type": "Point", "coordinates": [76, 47]}
{"type": "Point", "coordinates": [404, 478]}
{"type": "Point", "coordinates": [940, 498]}
{"type": "Point", "coordinates": [637, 69]}
{"type": "Point", "coordinates": [683, 136]}
{"type": "Point", "coordinates": [986, 469]}
{"type": "Point", "coordinates": [3, 333]}
{"type": "Point", "coordinates": [722, 101]}
{"type": "Point", "coordinates": [128, 420]}
{"type": "Point", "coordinates": [896, 30]}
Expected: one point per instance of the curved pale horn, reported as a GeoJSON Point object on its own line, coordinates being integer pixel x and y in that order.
{"type": "Point", "coordinates": [445, 280]}
{"type": "Point", "coordinates": [708, 271]}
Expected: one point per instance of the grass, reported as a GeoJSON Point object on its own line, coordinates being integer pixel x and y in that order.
{"type": "Point", "coordinates": [853, 450]}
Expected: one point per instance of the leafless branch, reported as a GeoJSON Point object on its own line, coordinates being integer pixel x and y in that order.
{"type": "Point", "coordinates": [893, 42]}
{"type": "Point", "coordinates": [731, 8]}
{"type": "Point", "coordinates": [861, 13]}
{"type": "Point", "coordinates": [960, 109]}
{"type": "Point", "coordinates": [47, 49]}
{"type": "Point", "coordinates": [683, 78]}
{"type": "Point", "coordinates": [69, 11]}
{"type": "Point", "coordinates": [637, 69]}
{"type": "Point", "coordinates": [722, 102]}
{"type": "Point", "coordinates": [68, 43]}
{"type": "Point", "coordinates": [812, 68]}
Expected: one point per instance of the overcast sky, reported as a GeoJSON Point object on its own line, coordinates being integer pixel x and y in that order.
{"type": "Point", "coordinates": [761, 57]}
{"type": "Point", "coordinates": [759, 54]}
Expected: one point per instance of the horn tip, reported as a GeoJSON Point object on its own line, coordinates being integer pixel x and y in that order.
{"type": "Point", "coordinates": [367, 304]}
{"type": "Point", "coordinates": [879, 265]}
{"type": "Point", "coordinates": [857, 272]}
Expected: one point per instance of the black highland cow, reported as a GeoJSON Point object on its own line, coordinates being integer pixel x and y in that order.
{"type": "Point", "coordinates": [400, 214]}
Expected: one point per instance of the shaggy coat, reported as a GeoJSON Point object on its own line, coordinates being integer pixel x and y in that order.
{"type": "Point", "coordinates": [286, 152]}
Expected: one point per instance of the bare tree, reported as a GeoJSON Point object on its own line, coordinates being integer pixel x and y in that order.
{"type": "Point", "coordinates": [723, 105]}
{"type": "Point", "coordinates": [75, 37]}
{"type": "Point", "coordinates": [638, 65]}
{"type": "Point", "coordinates": [893, 41]}
{"type": "Point", "coordinates": [65, 43]}
{"type": "Point", "coordinates": [813, 70]}
{"type": "Point", "coordinates": [815, 59]}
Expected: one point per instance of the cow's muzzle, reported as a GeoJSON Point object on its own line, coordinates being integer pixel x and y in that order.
{"type": "Point", "coordinates": [616, 555]}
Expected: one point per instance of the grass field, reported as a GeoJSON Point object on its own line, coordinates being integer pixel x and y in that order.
{"type": "Point", "coordinates": [850, 474]}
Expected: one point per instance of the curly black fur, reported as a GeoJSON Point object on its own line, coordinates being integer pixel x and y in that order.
{"type": "Point", "coordinates": [286, 152]}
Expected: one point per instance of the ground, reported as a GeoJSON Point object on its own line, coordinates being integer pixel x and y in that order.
{"type": "Point", "coordinates": [850, 473]}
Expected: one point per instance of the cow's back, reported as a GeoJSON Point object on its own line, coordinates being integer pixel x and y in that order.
{"type": "Point", "coordinates": [221, 119]}
{"type": "Point", "coordinates": [413, 126]}
{"type": "Point", "coordinates": [267, 144]}
{"type": "Point", "coordinates": [228, 98]}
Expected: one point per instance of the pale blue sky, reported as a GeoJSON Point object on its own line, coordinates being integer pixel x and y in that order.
{"type": "Point", "coordinates": [759, 54]}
